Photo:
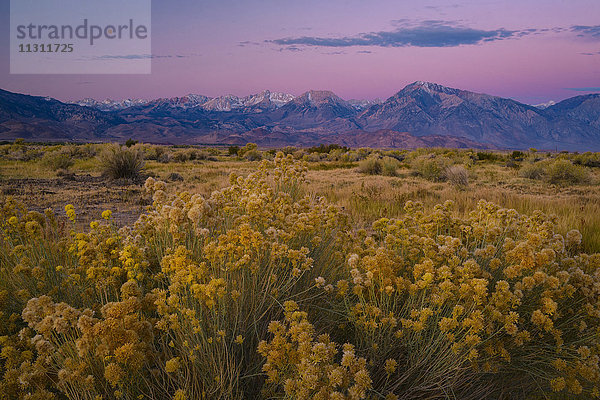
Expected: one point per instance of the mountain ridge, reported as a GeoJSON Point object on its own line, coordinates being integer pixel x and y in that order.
{"type": "Point", "coordinates": [421, 109]}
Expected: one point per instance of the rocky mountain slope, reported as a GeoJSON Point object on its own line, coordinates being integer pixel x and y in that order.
{"type": "Point", "coordinates": [421, 114]}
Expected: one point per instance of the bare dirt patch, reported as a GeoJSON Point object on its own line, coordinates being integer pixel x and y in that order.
{"type": "Point", "coordinates": [89, 194]}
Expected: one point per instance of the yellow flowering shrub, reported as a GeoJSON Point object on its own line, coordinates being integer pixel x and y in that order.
{"type": "Point", "coordinates": [227, 262]}
{"type": "Point", "coordinates": [482, 306]}
{"type": "Point", "coordinates": [262, 291]}
{"type": "Point", "coordinates": [307, 366]}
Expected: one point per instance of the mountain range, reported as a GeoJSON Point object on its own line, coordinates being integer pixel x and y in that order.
{"type": "Point", "coordinates": [421, 114]}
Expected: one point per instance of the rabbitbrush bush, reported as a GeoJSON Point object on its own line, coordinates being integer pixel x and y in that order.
{"type": "Point", "coordinates": [259, 291]}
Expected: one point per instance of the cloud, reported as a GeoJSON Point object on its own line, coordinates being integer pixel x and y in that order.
{"type": "Point", "coordinates": [432, 33]}
{"type": "Point", "coordinates": [248, 43]}
{"type": "Point", "coordinates": [587, 31]}
{"type": "Point", "coordinates": [427, 33]}
{"type": "Point", "coordinates": [293, 49]}
{"type": "Point", "coordinates": [585, 89]}
{"type": "Point", "coordinates": [591, 54]}
{"type": "Point", "coordinates": [364, 52]}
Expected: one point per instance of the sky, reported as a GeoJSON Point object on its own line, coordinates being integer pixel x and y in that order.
{"type": "Point", "coordinates": [532, 51]}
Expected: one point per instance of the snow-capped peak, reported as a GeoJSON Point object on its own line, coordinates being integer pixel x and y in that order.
{"type": "Point", "coordinates": [543, 106]}
{"type": "Point", "coordinates": [360, 105]}
{"type": "Point", "coordinates": [109, 104]}
{"type": "Point", "coordinates": [429, 87]}
{"type": "Point", "coordinates": [264, 100]}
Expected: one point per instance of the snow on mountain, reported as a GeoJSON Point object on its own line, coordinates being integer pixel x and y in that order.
{"type": "Point", "coordinates": [543, 106]}
{"type": "Point", "coordinates": [360, 105]}
{"type": "Point", "coordinates": [264, 100]}
{"type": "Point", "coordinates": [189, 101]}
{"type": "Point", "coordinates": [319, 97]}
{"type": "Point", "coordinates": [109, 104]}
{"type": "Point", "coordinates": [421, 110]}
{"type": "Point", "coordinates": [279, 99]}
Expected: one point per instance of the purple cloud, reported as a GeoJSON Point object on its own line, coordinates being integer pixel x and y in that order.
{"type": "Point", "coordinates": [432, 33]}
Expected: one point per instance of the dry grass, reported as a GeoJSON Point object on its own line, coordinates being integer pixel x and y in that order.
{"type": "Point", "coordinates": [368, 198]}
{"type": "Point", "coordinates": [365, 197]}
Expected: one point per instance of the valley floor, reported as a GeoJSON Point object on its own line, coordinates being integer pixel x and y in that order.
{"type": "Point", "coordinates": [366, 197]}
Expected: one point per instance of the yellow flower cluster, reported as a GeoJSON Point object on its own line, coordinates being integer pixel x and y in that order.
{"type": "Point", "coordinates": [497, 288]}
{"type": "Point", "coordinates": [228, 260]}
{"type": "Point", "coordinates": [73, 342]}
{"type": "Point", "coordinates": [304, 364]}
{"type": "Point", "coordinates": [246, 293]}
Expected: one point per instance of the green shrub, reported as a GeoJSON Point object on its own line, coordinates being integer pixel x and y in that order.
{"type": "Point", "coordinates": [201, 155]}
{"type": "Point", "coordinates": [371, 166]}
{"type": "Point", "coordinates": [566, 173]}
{"type": "Point", "coordinates": [130, 142]}
{"type": "Point", "coordinates": [165, 158]}
{"type": "Point", "coordinates": [312, 157]}
{"type": "Point", "coordinates": [233, 150]}
{"type": "Point", "coordinates": [247, 148]}
{"type": "Point", "coordinates": [118, 162]}
{"type": "Point", "coordinates": [512, 164]}
{"type": "Point", "coordinates": [77, 151]}
{"type": "Point", "coordinates": [560, 171]}
{"type": "Point", "coordinates": [374, 165]}
{"type": "Point", "coordinates": [152, 152]}
{"type": "Point", "coordinates": [395, 154]}
{"type": "Point", "coordinates": [287, 150]}
{"type": "Point", "coordinates": [57, 160]}
{"type": "Point", "coordinates": [253, 155]}
{"type": "Point", "coordinates": [190, 155]}
{"type": "Point", "coordinates": [298, 154]}
{"type": "Point", "coordinates": [517, 155]}
{"type": "Point", "coordinates": [431, 167]}
{"type": "Point", "coordinates": [180, 157]}
{"type": "Point", "coordinates": [533, 171]}
{"type": "Point", "coordinates": [488, 156]}
{"type": "Point", "coordinates": [389, 166]}
{"type": "Point", "coordinates": [587, 159]}
{"type": "Point", "coordinates": [326, 148]}
{"type": "Point", "coordinates": [352, 156]}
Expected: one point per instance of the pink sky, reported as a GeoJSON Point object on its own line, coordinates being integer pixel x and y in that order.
{"type": "Point", "coordinates": [530, 50]}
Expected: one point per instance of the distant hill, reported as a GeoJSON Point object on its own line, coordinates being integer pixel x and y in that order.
{"type": "Point", "coordinates": [422, 114]}
{"type": "Point", "coordinates": [41, 118]}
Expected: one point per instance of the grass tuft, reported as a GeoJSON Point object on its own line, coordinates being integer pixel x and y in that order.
{"type": "Point", "coordinates": [118, 162]}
